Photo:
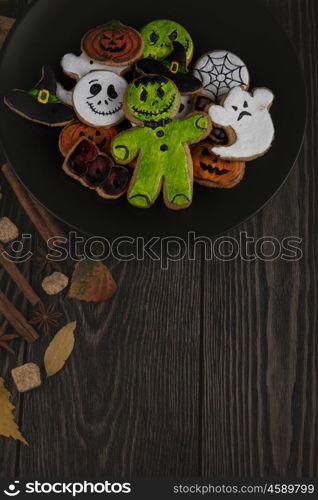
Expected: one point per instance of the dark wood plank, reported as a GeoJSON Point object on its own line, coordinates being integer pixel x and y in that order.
{"type": "Point", "coordinates": [127, 401]}
{"type": "Point", "coordinates": [260, 319]}
{"type": "Point", "coordinates": [9, 449]}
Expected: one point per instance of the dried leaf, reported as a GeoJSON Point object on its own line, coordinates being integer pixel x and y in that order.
{"type": "Point", "coordinates": [8, 427]}
{"type": "Point", "coordinates": [92, 282]}
{"type": "Point", "coordinates": [59, 349]}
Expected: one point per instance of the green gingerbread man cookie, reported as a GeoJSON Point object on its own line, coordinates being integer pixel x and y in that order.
{"type": "Point", "coordinates": [159, 37]}
{"type": "Point", "coordinates": [160, 143]}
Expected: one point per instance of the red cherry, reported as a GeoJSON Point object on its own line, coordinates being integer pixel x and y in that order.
{"type": "Point", "coordinates": [98, 170]}
{"type": "Point", "coordinates": [117, 181]}
{"type": "Point", "coordinates": [87, 150]}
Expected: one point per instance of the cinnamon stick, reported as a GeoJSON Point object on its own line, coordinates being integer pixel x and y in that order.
{"type": "Point", "coordinates": [18, 278]}
{"type": "Point", "coordinates": [17, 320]}
{"type": "Point", "coordinates": [54, 229]}
{"type": "Point", "coordinates": [37, 214]}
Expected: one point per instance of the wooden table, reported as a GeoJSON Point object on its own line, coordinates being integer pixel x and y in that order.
{"type": "Point", "coordinates": [204, 369]}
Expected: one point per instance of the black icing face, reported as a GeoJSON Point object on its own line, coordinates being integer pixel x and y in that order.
{"type": "Point", "coordinates": [98, 98]}
{"type": "Point", "coordinates": [152, 98]}
{"type": "Point", "coordinates": [242, 110]}
{"type": "Point", "coordinates": [103, 99]}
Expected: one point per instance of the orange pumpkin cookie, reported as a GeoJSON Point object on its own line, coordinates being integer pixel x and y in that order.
{"type": "Point", "coordinates": [71, 134]}
{"type": "Point", "coordinates": [113, 43]}
{"type": "Point", "coordinates": [211, 171]}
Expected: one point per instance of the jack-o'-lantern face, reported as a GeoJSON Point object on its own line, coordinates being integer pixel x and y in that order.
{"type": "Point", "coordinates": [113, 44]}
{"type": "Point", "coordinates": [72, 133]}
{"type": "Point", "coordinates": [152, 98]}
{"type": "Point", "coordinates": [211, 171]}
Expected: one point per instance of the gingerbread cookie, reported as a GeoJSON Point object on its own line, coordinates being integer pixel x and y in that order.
{"type": "Point", "coordinates": [98, 99]}
{"type": "Point", "coordinates": [113, 43]}
{"type": "Point", "coordinates": [160, 143]}
{"type": "Point", "coordinates": [172, 67]}
{"type": "Point", "coordinates": [220, 71]}
{"type": "Point", "coordinates": [78, 66]}
{"type": "Point", "coordinates": [41, 104]}
{"type": "Point", "coordinates": [211, 171]}
{"type": "Point", "coordinates": [248, 123]}
{"type": "Point", "coordinates": [159, 37]}
{"type": "Point", "coordinates": [96, 170]}
{"type": "Point", "coordinates": [72, 133]}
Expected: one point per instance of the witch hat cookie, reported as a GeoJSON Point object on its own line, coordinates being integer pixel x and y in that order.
{"type": "Point", "coordinates": [172, 67]}
{"type": "Point", "coordinates": [41, 105]}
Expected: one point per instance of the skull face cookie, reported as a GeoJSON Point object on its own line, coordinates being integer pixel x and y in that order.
{"type": "Point", "coordinates": [247, 119]}
{"type": "Point", "coordinates": [98, 99]}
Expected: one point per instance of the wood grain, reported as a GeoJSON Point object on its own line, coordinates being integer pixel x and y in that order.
{"type": "Point", "coordinates": [209, 368]}
{"type": "Point", "coordinates": [259, 373]}
{"type": "Point", "coordinates": [119, 407]}
{"type": "Point", "coordinates": [9, 449]}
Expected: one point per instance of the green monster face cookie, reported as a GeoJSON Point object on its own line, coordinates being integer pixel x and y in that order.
{"type": "Point", "coordinates": [159, 37]}
{"type": "Point", "coordinates": [152, 98]}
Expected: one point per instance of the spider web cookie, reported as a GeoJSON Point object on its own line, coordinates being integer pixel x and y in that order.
{"type": "Point", "coordinates": [219, 72]}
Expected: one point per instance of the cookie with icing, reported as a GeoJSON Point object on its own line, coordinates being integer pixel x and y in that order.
{"type": "Point", "coordinates": [172, 67]}
{"type": "Point", "coordinates": [78, 66]}
{"type": "Point", "coordinates": [186, 106]}
{"type": "Point", "coordinates": [96, 170]}
{"type": "Point", "coordinates": [98, 99]}
{"type": "Point", "coordinates": [159, 142]}
{"type": "Point", "coordinates": [159, 36]}
{"type": "Point", "coordinates": [41, 104]}
{"type": "Point", "coordinates": [220, 71]}
{"type": "Point", "coordinates": [74, 132]}
{"type": "Point", "coordinates": [113, 43]}
{"type": "Point", "coordinates": [211, 171]}
{"type": "Point", "coordinates": [247, 120]}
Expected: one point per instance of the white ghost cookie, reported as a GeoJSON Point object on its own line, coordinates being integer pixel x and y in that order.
{"type": "Point", "coordinates": [246, 117]}
{"type": "Point", "coordinates": [219, 72]}
{"type": "Point", "coordinates": [98, 99]}
{"type": "Point", "coordinates": [78, 66]}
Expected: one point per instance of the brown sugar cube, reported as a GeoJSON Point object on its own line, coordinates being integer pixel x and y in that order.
{"type": "Point", "coordinates": [8, 230]}
{"type": "Point", "coordinates": [26, 377]}
{"type": "Point", "coordinates": [55, 283]}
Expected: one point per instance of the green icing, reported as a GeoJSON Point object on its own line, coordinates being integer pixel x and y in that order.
{"type": "Point", "coordinates": [152, 98]}
{"type": "Point", "coordinates": [160, 35]}
{"type": "Point", "coordinates": [52, 97]}
{"type": "Point", "coordinates": [162, 150]}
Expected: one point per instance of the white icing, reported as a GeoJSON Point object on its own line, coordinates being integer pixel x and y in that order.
{"type": "Point", "coordinates": [98, 98]}
{"type": "Point", "coordinates": [254, 131]}
{"type": "Point", "coordinates": [66, 96]}
{"type": "Point", "coordinates": [219, 72]}
{"type": "Point", "coordinates": [79, 66]}
{"type": "Point", "coordinates": [185, 106]}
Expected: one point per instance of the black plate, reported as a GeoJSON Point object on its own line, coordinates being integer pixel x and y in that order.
{"type": "Point", "coordinates": [54, 27]}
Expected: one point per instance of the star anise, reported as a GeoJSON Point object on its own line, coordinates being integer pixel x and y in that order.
{"type": "Point", "coordinates": [5, 337]}
{"type": "Point", "coordinates": [46, 318]}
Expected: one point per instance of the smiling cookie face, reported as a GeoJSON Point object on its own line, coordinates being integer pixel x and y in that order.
{"type": "Point", "coordinates": [113, 43]}
{"type": "Point", "coordinates": [98, 98]}
{"type": "Point", "coordinates": [159, 37]}
{"type": "Point", "coordinates": [152, 98]}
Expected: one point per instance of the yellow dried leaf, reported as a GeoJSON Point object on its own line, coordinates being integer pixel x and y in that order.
{"type": "Point", "coordinates": [59, 349]}
{"type": "Point", "coordinates": [8, 427]}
